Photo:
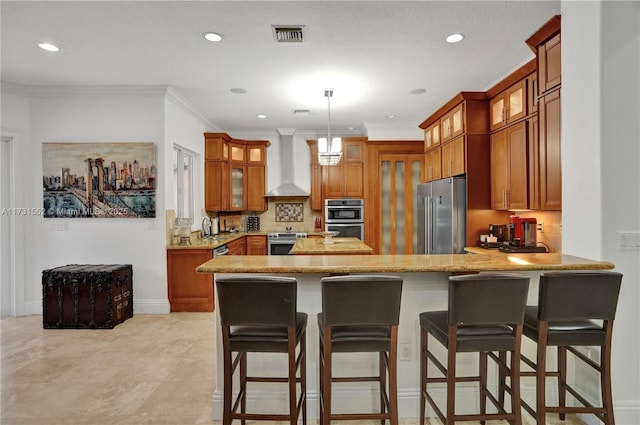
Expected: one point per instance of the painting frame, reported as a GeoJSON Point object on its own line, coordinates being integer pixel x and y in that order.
{"type": "Point", "coordinates": [99, 179]}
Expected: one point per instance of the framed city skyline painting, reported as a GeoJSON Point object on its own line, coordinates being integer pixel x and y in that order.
{"type": "Point", "coordinates": [99, 180]}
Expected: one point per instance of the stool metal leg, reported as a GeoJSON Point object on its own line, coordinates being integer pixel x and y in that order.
{"type": "Point", "coordinates": [423, 373]}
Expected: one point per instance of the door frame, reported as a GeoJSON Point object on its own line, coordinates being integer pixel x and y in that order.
{"type": "Point", "coordinates": [14, 258]}
{"type": "Point", "coordinates": [375, 149]}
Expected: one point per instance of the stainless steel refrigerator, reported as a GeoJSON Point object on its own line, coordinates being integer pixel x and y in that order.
{"type": "Point", "coordinates": [442, 216]}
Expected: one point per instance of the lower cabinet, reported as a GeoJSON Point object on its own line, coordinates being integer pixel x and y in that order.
{"type": "Point", "coordinates": [237, 247]}
{"type": "Point", "coordinates": [188, 290]}
{"type": "Point", "coordinates": [256, 245]}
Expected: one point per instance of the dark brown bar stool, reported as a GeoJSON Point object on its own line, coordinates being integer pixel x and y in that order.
{"type": "Point", "coordinates": [258, 314]}
{"type": "Point", "coordinates": [360, 313]}
{"type": "Point", "coordinates": [485, 315]}
{"type": "Point", "coordinates": [574, 309]}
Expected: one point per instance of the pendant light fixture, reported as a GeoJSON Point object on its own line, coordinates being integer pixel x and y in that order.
{"type": "Point", "coordinates": [329, 149]}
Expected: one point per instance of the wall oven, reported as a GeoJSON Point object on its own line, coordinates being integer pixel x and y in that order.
{"type": "Point", "coordinates": [281, 243]}
{"type": "Point", "coordinates": [345, 216]}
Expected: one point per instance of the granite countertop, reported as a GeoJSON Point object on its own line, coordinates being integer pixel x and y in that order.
{"type": "Point", "coordinates": [219, 240]}
{"type": "Point", "coordinates": [480, 250]}
{"type": "Point", "coordinates": [398, 263]}
{"type": "Point", "coordinates": [318, 246]}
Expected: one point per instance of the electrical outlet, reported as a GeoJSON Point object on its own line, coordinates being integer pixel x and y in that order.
{"type": "Point", "coordinates": [541, 227]}
{"type": "Point", "coordinates": [405, 351]}
{"type": "Point", "coordinates": [629, 241]}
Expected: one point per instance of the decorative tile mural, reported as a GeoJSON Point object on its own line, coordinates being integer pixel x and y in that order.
{"type": "Point", "coordinates": [289, 212]}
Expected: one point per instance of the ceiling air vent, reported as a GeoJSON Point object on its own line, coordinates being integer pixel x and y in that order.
{"type": "Point", "coordinates": [288, 33]}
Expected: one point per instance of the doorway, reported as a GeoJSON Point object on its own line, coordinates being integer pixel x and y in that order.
{"type": "Point", "coordinates": [7, 298]}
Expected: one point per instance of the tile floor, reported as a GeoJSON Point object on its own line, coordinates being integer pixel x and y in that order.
{"type": "Point", "coordinates": [149, 370]}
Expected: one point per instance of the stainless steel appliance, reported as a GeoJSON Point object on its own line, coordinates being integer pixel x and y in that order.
{"type": "Point", "coordinates": [281, 243]}
{"type": "Point", "coordinates": [442, 216]}
{"type": "Point", "coordinates": [220, 251]}
{"type": "Point", "coordinates": [345, 216]}
{"type": "Point", "coordinates": [500, 231]}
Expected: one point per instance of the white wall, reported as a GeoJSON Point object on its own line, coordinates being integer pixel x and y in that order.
{"type": "Point", "coordinates": [600, 160]}
{"type": "Point", "coordinates": [96, 116]}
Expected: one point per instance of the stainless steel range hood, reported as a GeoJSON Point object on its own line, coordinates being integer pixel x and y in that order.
{"type": "Point", "coordinates": [287, 188]}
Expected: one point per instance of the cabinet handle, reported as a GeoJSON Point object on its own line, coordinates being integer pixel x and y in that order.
{"type": "Point", "coordinates": [508, 197]}
{"type": "Point", "coordinates": [504, 199]}
{"type": "Point", "coordinates": [504, 115]}
{"type": "Point", "coordinates": [450, 166]}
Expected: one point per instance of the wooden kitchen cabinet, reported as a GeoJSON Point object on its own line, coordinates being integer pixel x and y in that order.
{"type": "Point", "coordinates": [452, 123]}
{"type": "Point", "coordinates": [549, 115]}
{"type": "Point", "coordinates": [432, 164]}
{"type": "Point", "coordinates": [216, 187]}
{"type": "Point", "coordinates": [432, 135]}
{"type": "Point", "coordinates": [509, 106]}
{"type": "Point", "coordinates": [509, 159]}
{"type": "Point", "coordinates": [235, 173]}
{"type": "Point", "coordinates": [453, 158]}
{"type": "Point", "coordinates": [315, 197]}
{"type": "Point", "coordinates": [345, 180]}
{"type": "Point", "coordinates": [256, 245]}
{"type": "Point", "coordinates": [237, 247]}
{"type": "Point", "coordinates": [545, 43]}
{"type": "Point", "coordinates": [465, 117]}
{"type": "Point", "coordinates": [188, 290]}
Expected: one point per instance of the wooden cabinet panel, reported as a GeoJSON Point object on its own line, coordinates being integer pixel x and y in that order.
{"type": "Point", "coordinates": [509, 106]}
{"type": "Point", "coordinates": [345, 179]}
{"type": "Point", "coordinates": [509, 169]}
{"type": "Point", "coordinates": [452, 124]}
{"type": "Point", "coordinates": [237, 247]}
{"type": "Point", "coordinates": [256, 186]}
{"type": "Point", "coordinates": [432, 164]}
{"type": "Point", "coordinates": [549, 64]}
{"type": "Point", "coordinates": [256, 245]}
{"type": "Point", "coordinates": [453, 162]}
{"type": "Point", "coordinates": [534, 164]}
{"type": "Point", "coordinates": [237, 153]}
{"type": "Point", "coordinates": [549, 114]}
{"type": "Point", "coordinates": [432, 136]}
{"type": "Point", "coordinates": [353, 180]}
{"type": "Point", "coordinates": [216, 186]}
{"type": "Point", "coordinates": [188, 290]}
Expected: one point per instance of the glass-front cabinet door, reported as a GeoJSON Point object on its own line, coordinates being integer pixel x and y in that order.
{"type": "Point", "coordinates": [238, 182]}
{"type": "Point", "coordinates": [400, 176]}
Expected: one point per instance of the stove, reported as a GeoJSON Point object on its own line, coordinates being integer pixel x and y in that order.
{"type": "Point", "coordinates": [281, 243]}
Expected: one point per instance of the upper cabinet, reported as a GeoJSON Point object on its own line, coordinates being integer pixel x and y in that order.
{"type": "Point", "coordinates": [234, 173]}
{"type": "Point", "coordinates": [463, 148]}
{"type": "Point", "coordinates": [546, 44]}
{"type": "Point", "coordinates": [345, 180]}
{"type": "Point", "coordinates": [509, 106]}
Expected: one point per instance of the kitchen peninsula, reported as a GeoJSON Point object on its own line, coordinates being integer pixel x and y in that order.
{"type": "Point", "coordinates": [424, 288]}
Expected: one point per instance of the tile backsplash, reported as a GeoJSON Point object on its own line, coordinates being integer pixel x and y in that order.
{"type": "Point", "coordinates": [551, 235]}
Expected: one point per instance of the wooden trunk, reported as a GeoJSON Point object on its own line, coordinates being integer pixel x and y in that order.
{"type": "Point", "coordinates": [87, 296]}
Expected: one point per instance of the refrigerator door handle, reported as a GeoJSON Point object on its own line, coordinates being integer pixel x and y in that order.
{"type": "Point", "coordinates": [428, 229]}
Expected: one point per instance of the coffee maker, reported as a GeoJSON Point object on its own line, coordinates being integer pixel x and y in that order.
{"type": "Point", "coordinates": [522, 231]}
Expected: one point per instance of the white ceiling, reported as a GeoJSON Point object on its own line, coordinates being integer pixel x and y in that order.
{"type": "Point", "coordinates": [371, 53]}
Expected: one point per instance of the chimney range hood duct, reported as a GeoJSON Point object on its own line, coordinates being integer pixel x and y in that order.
{"type": "Point", "coordinates": [288, 188]}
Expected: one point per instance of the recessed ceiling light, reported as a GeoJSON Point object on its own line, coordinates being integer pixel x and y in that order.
{"type": "Point", "coordinates": [417, 91]}
{"type": "Point", "coordinates": [391, 116]}
{"type": "Point", "coordinates": [48, 47]}
{"type": "Point", "coordinates": [454, 38]}
{"type": "Point", "coordinates": [262, 116]}
{"type": "Point", "coordinates": [212, 36]}
{"type": "Point", "coordinates": [238, 90]}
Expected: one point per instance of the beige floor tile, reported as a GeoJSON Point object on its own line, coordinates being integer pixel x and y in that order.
{"type": "Point", "coordinates": [149, 370]}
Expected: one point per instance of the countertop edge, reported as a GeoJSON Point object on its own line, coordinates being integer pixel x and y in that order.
{"type": "Point", "coordinates": [400, 264]}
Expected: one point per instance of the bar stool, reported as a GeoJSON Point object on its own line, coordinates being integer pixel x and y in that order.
{"type": "Point", "coordinates": [258, 314]}
{"type": "Point", "coordinates": [360, 313]}
{"type": "Point", "coordinates": [485, 315]}
{"type": "Point", "coordinates": [574, 309]}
